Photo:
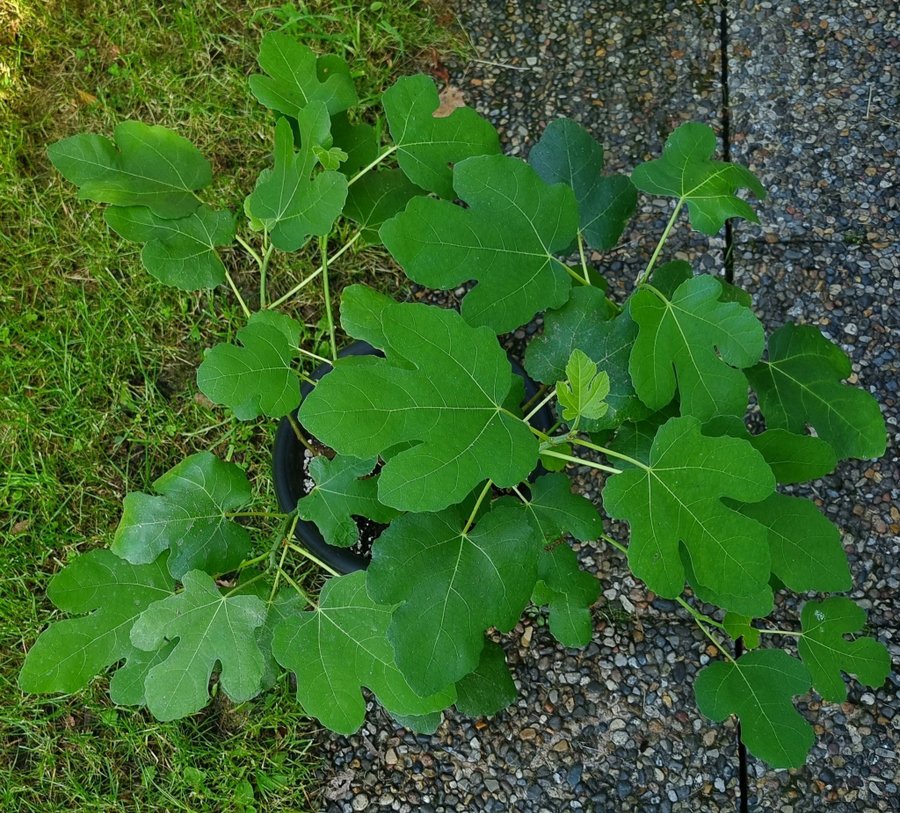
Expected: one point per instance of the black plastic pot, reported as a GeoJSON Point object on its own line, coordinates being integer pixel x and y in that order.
{"type": "Point", "coordinates": [288, 469]}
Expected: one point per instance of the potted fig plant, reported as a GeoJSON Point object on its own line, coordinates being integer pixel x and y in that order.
{"type": "Point", "coordinates": [422, 443]}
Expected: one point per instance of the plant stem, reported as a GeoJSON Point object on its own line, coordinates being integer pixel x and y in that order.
{"type": "Point", "coordinates": [577, 277]}
{"type": "Point", "coordinates": [609, 452]}
{"type": "Point", "coordinates": [237, 587]}
{"type": "Point", "coordinates": [782, 632]}
{"type": "Point", "coordinates": [278, 572]}
{"type": "Point", "coordinates": [698, 615]}
{"type": "Point", "coordinates": [471, 519]}
{"type": "Point", "coordinates": [268, 514]}
{"type": "Point", "coordinates": [237, 293]}
{"type": "Point", "coordinates": [580, 461]}
{"type": "Point", "coordinates": [254, 561]}
{"type": "Point", "coordinates": [584, 268]}
{"type": "Point", "coordinates": [264, 266]}
{"type": "Point", "coordinates": [315, 356]}
{"type": "Point", "coordinates": [298, 432]}
{"type": "Point", "coordinates": [302, 284]}
{"type": "Point", "coordinates": [249, 249]}
{"type": "Point", "coordinates": [662, 241]}
{"type": "Point", "coordinates": [300, 591]}
{"type": "Point", "coordinates": [375, 163]}
{"type": "Point", "coordinates": [520, 495]}
{"type": "Point", "coordinates": [314, 559]}
{"type": "Point", "coordinates": [531, 401]}
{"type": "Point", "coordinates": [540, 406]}
{"type": "Point", "coordinates": [323, 245]}
{"type": "Point", "coordinates": [615, 543]}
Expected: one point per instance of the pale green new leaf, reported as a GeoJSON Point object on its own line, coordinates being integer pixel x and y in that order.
{"type": "Point", "coordinates": [686, 172]}
{"type": "Point", "coordinates": [188, 518]}
{"type": "Point", "coordinates": [569, 592]}
{"type": "Point", "coordinates": [451, 587]}
{"type": "Point", "coordinates": [827, 653]}
{"type": "Point", "coordinates": [178, 252]}
{"type": "Point", "coordinates": [677, 497]}
{"type": "Point", "coordinates": [208, 628]}
{"type": "Point", "coordinates": [342, 647]}
{"type": "Point", "coordinates": [377, 197]}
{"type": "Point", "coordinates": [694, 341]}
{"type": "Point", "coordinates": [428, 146]}
{"type": "Point", "coordinates": [759, 689]}
{"type": "Point", "coordinates": [792, 458]}
{"type": "Point", "coordinates": [440, 390]}
{"type": "Point", "coordinates": [505, 240]}
{"type": "Point", "coordinates": [342, 490]}
{"type": "Point", "coordinates": [799, 384]}
{"type": "Point", "coordinates": [490, 688]}
{"type": "Point", "coordinates": [806, 546]}
{"type": "Point", "coordinates": [567, 154]}
{"type": "Point", "coordinates": [108, 593]}
{"type": "Point", "coordinates": [257, 378]}
{"type": "Point", "coordinates": [296, 78]}
{"type": "Point", "coordinates": [147, 166]}
{"type": "Point", "coordinates": [586, 323]}
{"type": "Point", "coordinates": [289, 200]}
{"type": "Point", "coordinates": [583, 393]}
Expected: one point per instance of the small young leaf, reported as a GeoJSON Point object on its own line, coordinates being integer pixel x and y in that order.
{"type": "Point", "coordinates": [505, 239]}
{"type": "Point", "coordinates": [340, 494]}
{"type": "Point", "coordinates": [440, 388]}
{"type": "Point", "coordinates": [677, 497]}
{"type": "Point", "coordinates": [358, 141]}
{"type": "Point", "coordinates": [696, 341]}
{"type": "Point", "coordinates": [490, 688]}
{"type": "Point", "coordinates": [295, 79]}
{"type": "Point", "coordinates": [209, 628]}
{"type": "Point", "coordinates": [429, 146]}
{"type": "Point", "coordinates": [806, 547]}
{"type": "Point", "coordinates": [555, 510]}
{"type": "Point", "coordinates": [288, 200]}
{"type": "Point", "coordinates": [569, 592]}
{"type": "Point", "coordinates": [800, 383]}
{"type": "Point", "coordinates": [330, 158]}
{"type": "Point", "coordinates": [567, 154]}
{"type": "Point", "coordinates": [685, 172]}
{"type": "Point", "coordinates": [586, 323]}
{"type": "Point", "coordinates": [257, 378]}
{"type": "Point", "coordinates": [153, 167]}
{"type": "Point", "coordinates": [451, 586]}
{"type": "Point", "coordinates": [740, 626]}
{"type": "Point", "coordinates": [377, 197]}
{"type": "Point", "coordinates": [110, 593]}
{"type": "Point", "coordinates": [759, 689]}
{"type": "Point", "coordinates": [827, 653]}
{"type": "Point", "coordinates": [188, 518]}
{"type": "Point", "coordinates": [341, 647]}
{"type": "Point", "coordinates": [178, 252]}
{"type": "Point", "coordinates": [583, 393]}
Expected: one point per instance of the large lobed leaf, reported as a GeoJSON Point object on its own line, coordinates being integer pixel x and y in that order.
{"type": "Point", "coordinates": [147, 166]}
{"type": "Point", "coordinates": [188, 518]}
{"type": "Point", "coordinates": [109, 594]}
{"type": "Point", "coordinates": [677, 498]}
{"type": "Point", "coordinates": [686, 172]}
{"type": "Point", "coordinates": [567, 154]}
{"type": "Point", "coordinates": [759, 688]}
{"type": "Point", "coordinates": [427, 145]}
{"type": "Point", "coordinates": [341, 647]}
{"type": "Point", "coordinates": [440, 389]}
{"type": "Point", "coordinates": [451, 586]}
{"type": "Point", "coordinates": [296, 78]}
{"type": "Point", "coordinates": [289, 200]}
{"type": "Point", "coordinates": [179, 252]}
{"type": "Point", "coordinates": [208, 628]}
{"type": "Point", "coordinates": [800, 383]}
{"type": "Point", "coordinates": [256, 378]}
{"type": "Point", "coordinates": [692, 340]}
{"type": "Point", "coordinates": [505, 239]}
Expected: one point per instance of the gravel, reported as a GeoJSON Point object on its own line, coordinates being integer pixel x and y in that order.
{"type": "Point", "coordinates": [615, 726]}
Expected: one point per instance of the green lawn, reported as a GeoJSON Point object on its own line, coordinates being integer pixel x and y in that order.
{"type": "Point", "coordinates": [97, 361]}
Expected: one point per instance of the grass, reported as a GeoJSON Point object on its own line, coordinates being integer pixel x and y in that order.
{"type": "Point", "coordinates": [97, 362]}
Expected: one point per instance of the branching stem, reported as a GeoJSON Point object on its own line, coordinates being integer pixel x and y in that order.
{"type": "Point", "coordinates": [303, 283]}
{"type": "Point", "coordinates": [298, 432]}
{"type": "Point", "coordinates": [249, 249]}
{"type": "Point", "coordinates": [314, 559]}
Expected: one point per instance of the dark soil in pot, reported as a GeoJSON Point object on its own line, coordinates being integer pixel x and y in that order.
{"type": "Point", "coordinates": [290, 461]}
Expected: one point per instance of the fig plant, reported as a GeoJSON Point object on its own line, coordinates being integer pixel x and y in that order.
{"type": "Point", "coordinates": [430, 436]}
